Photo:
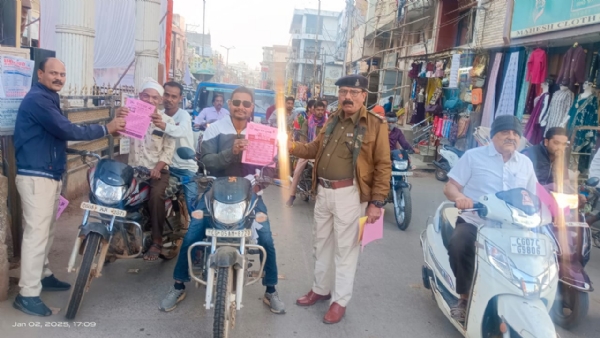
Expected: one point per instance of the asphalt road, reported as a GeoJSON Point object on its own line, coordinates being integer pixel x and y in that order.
{"type": "Point", "coordinates": [389, 299]}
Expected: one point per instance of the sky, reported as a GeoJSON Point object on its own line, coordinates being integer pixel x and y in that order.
{"type": "Point", "coordinates": [248, 25]}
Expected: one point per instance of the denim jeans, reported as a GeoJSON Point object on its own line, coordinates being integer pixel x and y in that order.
{"type": "Point", "coordinates": [190, 189]}
{"type": "Point", "coordinates": [196, 233]}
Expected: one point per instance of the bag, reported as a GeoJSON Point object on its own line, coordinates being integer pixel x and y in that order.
{"type": "Point", "coordinates": [478, 82]}
{"type": "Point", "coordinates": [467, 97]}
{"type": "Point", "coordinates": [452, 100]}
{"type": "Point", "coordinates": [477, 96]}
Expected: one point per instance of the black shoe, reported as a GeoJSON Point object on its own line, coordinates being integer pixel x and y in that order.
{"type": "Point", "coordinates": [50, 283]}
{"type": "Point", "coordinates": [32, 306]}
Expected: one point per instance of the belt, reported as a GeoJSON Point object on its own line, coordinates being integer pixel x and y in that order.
{"type": "Point", "coordinates": [329, 184]}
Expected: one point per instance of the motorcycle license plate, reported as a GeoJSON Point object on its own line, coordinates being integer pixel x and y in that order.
{"type": "Point", "coordinates": [528, 246]}
{"type": "Point", "coordinates": [402, 173]}
{"type": "Point", "coordinates": [576, 224]}
{"type": "Point", "coordinates": [229, 233]}
{"type": "Point", "coordinates": [103, 210]}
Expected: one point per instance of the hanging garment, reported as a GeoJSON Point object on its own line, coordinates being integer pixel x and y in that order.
{"type": "Point", "coordinates": [433, 85]}
{"type": "Point", "coordinates": [430, 69]}
{"type": "Point", "coordinates": [594, 75]}
{"type": "Point", "coordinates": [522, 100]}
{"type": "Point", "coordinates": [439, 69]}
{"type": "Point", "coordinates": [414, 71]}
{"type": "Point", "coordinates": [573, 67]}
{"type": "Point", "coordinates": [584, 112]}
{"type": "Point", "coordinates": [420, 113]}
{"type": "Point", "coordinates": [533, 130]}
{"type": "Point", "coordinates": [558, 109]}
{"type": "Point", "coordinates": [487, 116]}
{"type": "Point", "coordinates": [506, 105]}
{"type": "Point", "coordinates": [537, 67]}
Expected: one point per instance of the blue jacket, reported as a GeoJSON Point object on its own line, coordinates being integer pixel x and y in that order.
{"type": "Point", "coordinates": [42, 132]}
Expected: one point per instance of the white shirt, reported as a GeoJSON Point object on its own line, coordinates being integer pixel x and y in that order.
{"type": "Point", "coordinates": [209, 114]}
{"type": "Point", "coordinates": [182, 132]}
{"type": "Point", "coordinates": [482, 171]}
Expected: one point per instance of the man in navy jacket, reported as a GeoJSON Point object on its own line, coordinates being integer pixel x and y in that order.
{"type": "Point", "coordinates": [41, 135]}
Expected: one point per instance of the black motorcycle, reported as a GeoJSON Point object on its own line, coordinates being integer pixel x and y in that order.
{"type": "Point", "coordinates": [399, 194]}
{"type": "Point", "coordinates": [230, 203]}
{"type": "Point", "coordinates": [116, 225]}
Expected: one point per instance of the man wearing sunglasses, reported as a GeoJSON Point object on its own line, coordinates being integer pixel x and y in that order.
{"type": "Point", "coordinates": [222, 148]}
{"type": "Point", "coordinates": [352, 170]}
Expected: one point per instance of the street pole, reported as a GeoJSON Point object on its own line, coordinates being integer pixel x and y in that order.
{"type": "Point", "coordinates": [203, 21]}
{"type": "Point", "coordinates": [316, 49]}
{"type": "Point", "coordinates": [347, 37]}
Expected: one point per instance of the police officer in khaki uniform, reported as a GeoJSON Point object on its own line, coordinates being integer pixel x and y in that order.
{"type": "Point", "coordinates": [353, 169]}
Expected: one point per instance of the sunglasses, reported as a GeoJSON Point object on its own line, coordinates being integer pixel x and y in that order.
{"type": "Point", "coordinates": [236, 103]}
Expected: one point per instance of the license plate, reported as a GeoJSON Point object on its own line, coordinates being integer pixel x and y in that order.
{"type": "Point", "coordinates": [402, 173]}
{"type": "Point", "coordinates": [103, 210]}
{"type": "Point", "coordinates": [577, 224]}
{"type": "Point", "coordinates": [528, 246]}
{"type": "Point", "coordinates": [229, 233]}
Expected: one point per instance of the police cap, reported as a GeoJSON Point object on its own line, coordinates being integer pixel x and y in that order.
{"type": "Point", "coordinates": [353, 81]}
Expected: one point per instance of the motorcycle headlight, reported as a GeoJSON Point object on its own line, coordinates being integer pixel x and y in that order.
{"type": "Point", "coordinates": [229, 213]}
{"type": "Point", "coordinates": [108, 194]}
{"type": "Point", "coordinates": [400, 165]}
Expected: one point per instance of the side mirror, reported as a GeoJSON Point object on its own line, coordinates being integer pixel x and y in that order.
{"type": "Point", "coordinates": [592, 181]}
{"type": "Point", "coordinates": [186, 153]}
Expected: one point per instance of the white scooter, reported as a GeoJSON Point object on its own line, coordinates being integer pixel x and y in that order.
{"type": "Point", "coordinates": [515, 271]}
{"type": "Point", "coordinates": [449, 156]}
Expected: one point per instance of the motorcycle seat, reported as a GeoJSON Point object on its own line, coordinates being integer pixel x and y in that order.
{"type": "Point", "coordinates": [460, 153]}
{"type": "Point", "coordinates": [448, 219]}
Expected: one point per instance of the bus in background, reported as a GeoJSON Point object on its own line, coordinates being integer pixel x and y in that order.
{"type": "Point", "coordinates": [205, 92]}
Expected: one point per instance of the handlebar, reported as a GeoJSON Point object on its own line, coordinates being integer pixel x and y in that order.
{"type": "Point", "coordinates": [476, 207]}
{"type": "Point", "coordinates": [83, 153]}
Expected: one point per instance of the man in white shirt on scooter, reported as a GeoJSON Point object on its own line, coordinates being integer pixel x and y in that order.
{"type": "Point", "coordinates": [481, 171]}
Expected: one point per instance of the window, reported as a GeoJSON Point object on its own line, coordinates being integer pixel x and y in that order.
{"type": "Point", "coordinates": [465, 27]}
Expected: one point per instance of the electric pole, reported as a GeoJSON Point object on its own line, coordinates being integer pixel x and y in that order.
{"type": "Point", "coordinates": [317, 49]}
{"type": "Point", "coordinates": [227, 59]}
{"type": "Point", "coordinates": [347, 37]}
{"type": "Point", "coordinates": [203, 24]}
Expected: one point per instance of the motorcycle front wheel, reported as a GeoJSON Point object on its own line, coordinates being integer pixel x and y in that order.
{"type": "Point", "coordinates": [441, 175]}
{"type": "Point", "coordinates": [403, 208]}
{"type": "Point", "coordinates": [84, 273]}
{"type": "Point", "coordinates": [224, 312]}
{"type": "Point", "coordinates": [570, 307]}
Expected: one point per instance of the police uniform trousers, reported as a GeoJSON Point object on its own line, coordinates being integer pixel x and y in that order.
{"type": "Point", "coordinates": [335, 241]}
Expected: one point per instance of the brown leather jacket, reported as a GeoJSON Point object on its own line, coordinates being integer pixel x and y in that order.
{"type": "Point", "coordinates": [371, 156]}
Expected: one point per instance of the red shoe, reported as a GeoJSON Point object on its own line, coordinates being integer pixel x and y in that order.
{"type": "Point", "coordinates": [311, 298]}
{"type": "Point", "coordinates": [335, 314]}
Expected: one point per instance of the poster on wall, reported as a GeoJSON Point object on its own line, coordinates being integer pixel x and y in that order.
{"type": "Point", "coordinates": [331, 75]}
{"type": "Point", "coordinates": [15, 81]}
{"type": "Point", "coordinates": [531, 17]}
{"type": "Point", "coordinates": [301, 93]}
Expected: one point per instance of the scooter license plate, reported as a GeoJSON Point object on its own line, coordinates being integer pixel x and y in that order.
{"type": "Point", "coordinates": [528, 246]}
{"type": "Point", "coordinates": [229, 233]}
{"type": "Point", "coordinates": [103, 210]}
{"type": "Point", "coordinates": [402, 173]}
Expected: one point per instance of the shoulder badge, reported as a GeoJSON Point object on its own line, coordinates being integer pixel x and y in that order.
{"type": "Point", "coordinates": [376, 115]}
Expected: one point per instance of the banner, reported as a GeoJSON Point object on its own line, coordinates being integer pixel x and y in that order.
{"type": "Point", "coordinates": [330, 76]}
{"type": "Point", "coordinates": [531, 17]}
{"type": "Point", "coordinates": [202, 65]}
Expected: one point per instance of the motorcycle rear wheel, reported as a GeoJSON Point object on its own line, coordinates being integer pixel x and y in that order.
{"type": "Point", "coordinates": [403, 211]}
{"type": "Point", "coordinates": [84, 274]}
{"type": "Point", "coordinates": [570, 307]}
{"type": "Point", "coordinates": [223, 312]}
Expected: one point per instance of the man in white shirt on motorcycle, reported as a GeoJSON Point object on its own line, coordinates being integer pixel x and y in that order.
{"type": "Point", "coordinates": [481, 171]}
{"type": "Point", "coordinates": [181, 131]}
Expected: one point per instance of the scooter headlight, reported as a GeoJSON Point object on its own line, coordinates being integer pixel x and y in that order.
{"type": "Point", "coordinates": [400, 165]}
{"type": "Point", "coordinates": [108, 194]}
{"type": "Point", "coordinates": [499, 260]}
{"type": "Point", "coordinates": [229, 213]}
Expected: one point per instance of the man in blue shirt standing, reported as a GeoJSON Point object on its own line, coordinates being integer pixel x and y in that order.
{"type": "Point", "coordinates": [41, 135]}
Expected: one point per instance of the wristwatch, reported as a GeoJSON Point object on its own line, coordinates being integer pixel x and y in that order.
{"type": "Point", "coordinates": [378, 204]}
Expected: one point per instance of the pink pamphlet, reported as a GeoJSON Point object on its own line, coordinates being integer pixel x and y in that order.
{"type": "Point", "coordinates": [262, 145]}
{"type": "Point", "coordinates": [138, 120]}
{"type": "Point", "coordinates": [371, 231]}
{"type": "Point", "coordinates": [62, 205]}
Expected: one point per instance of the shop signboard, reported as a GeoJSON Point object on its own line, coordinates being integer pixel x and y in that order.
{"type": "Point", "coordinates": [531, 17]}
{"type": "Point", "coordinates": [331, 75]}
{"type": "Point", "coordinates": [202, 65]}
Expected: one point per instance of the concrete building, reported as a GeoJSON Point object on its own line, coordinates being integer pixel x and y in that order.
{"type": "Point", "coordinates": [178, 48]}
{"type": "Point", "coordinates": [201, 58]}
{"type": "Point", "coordinates": [273, 67]}
{"type": "Point", "coordinates": [313, 43]}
